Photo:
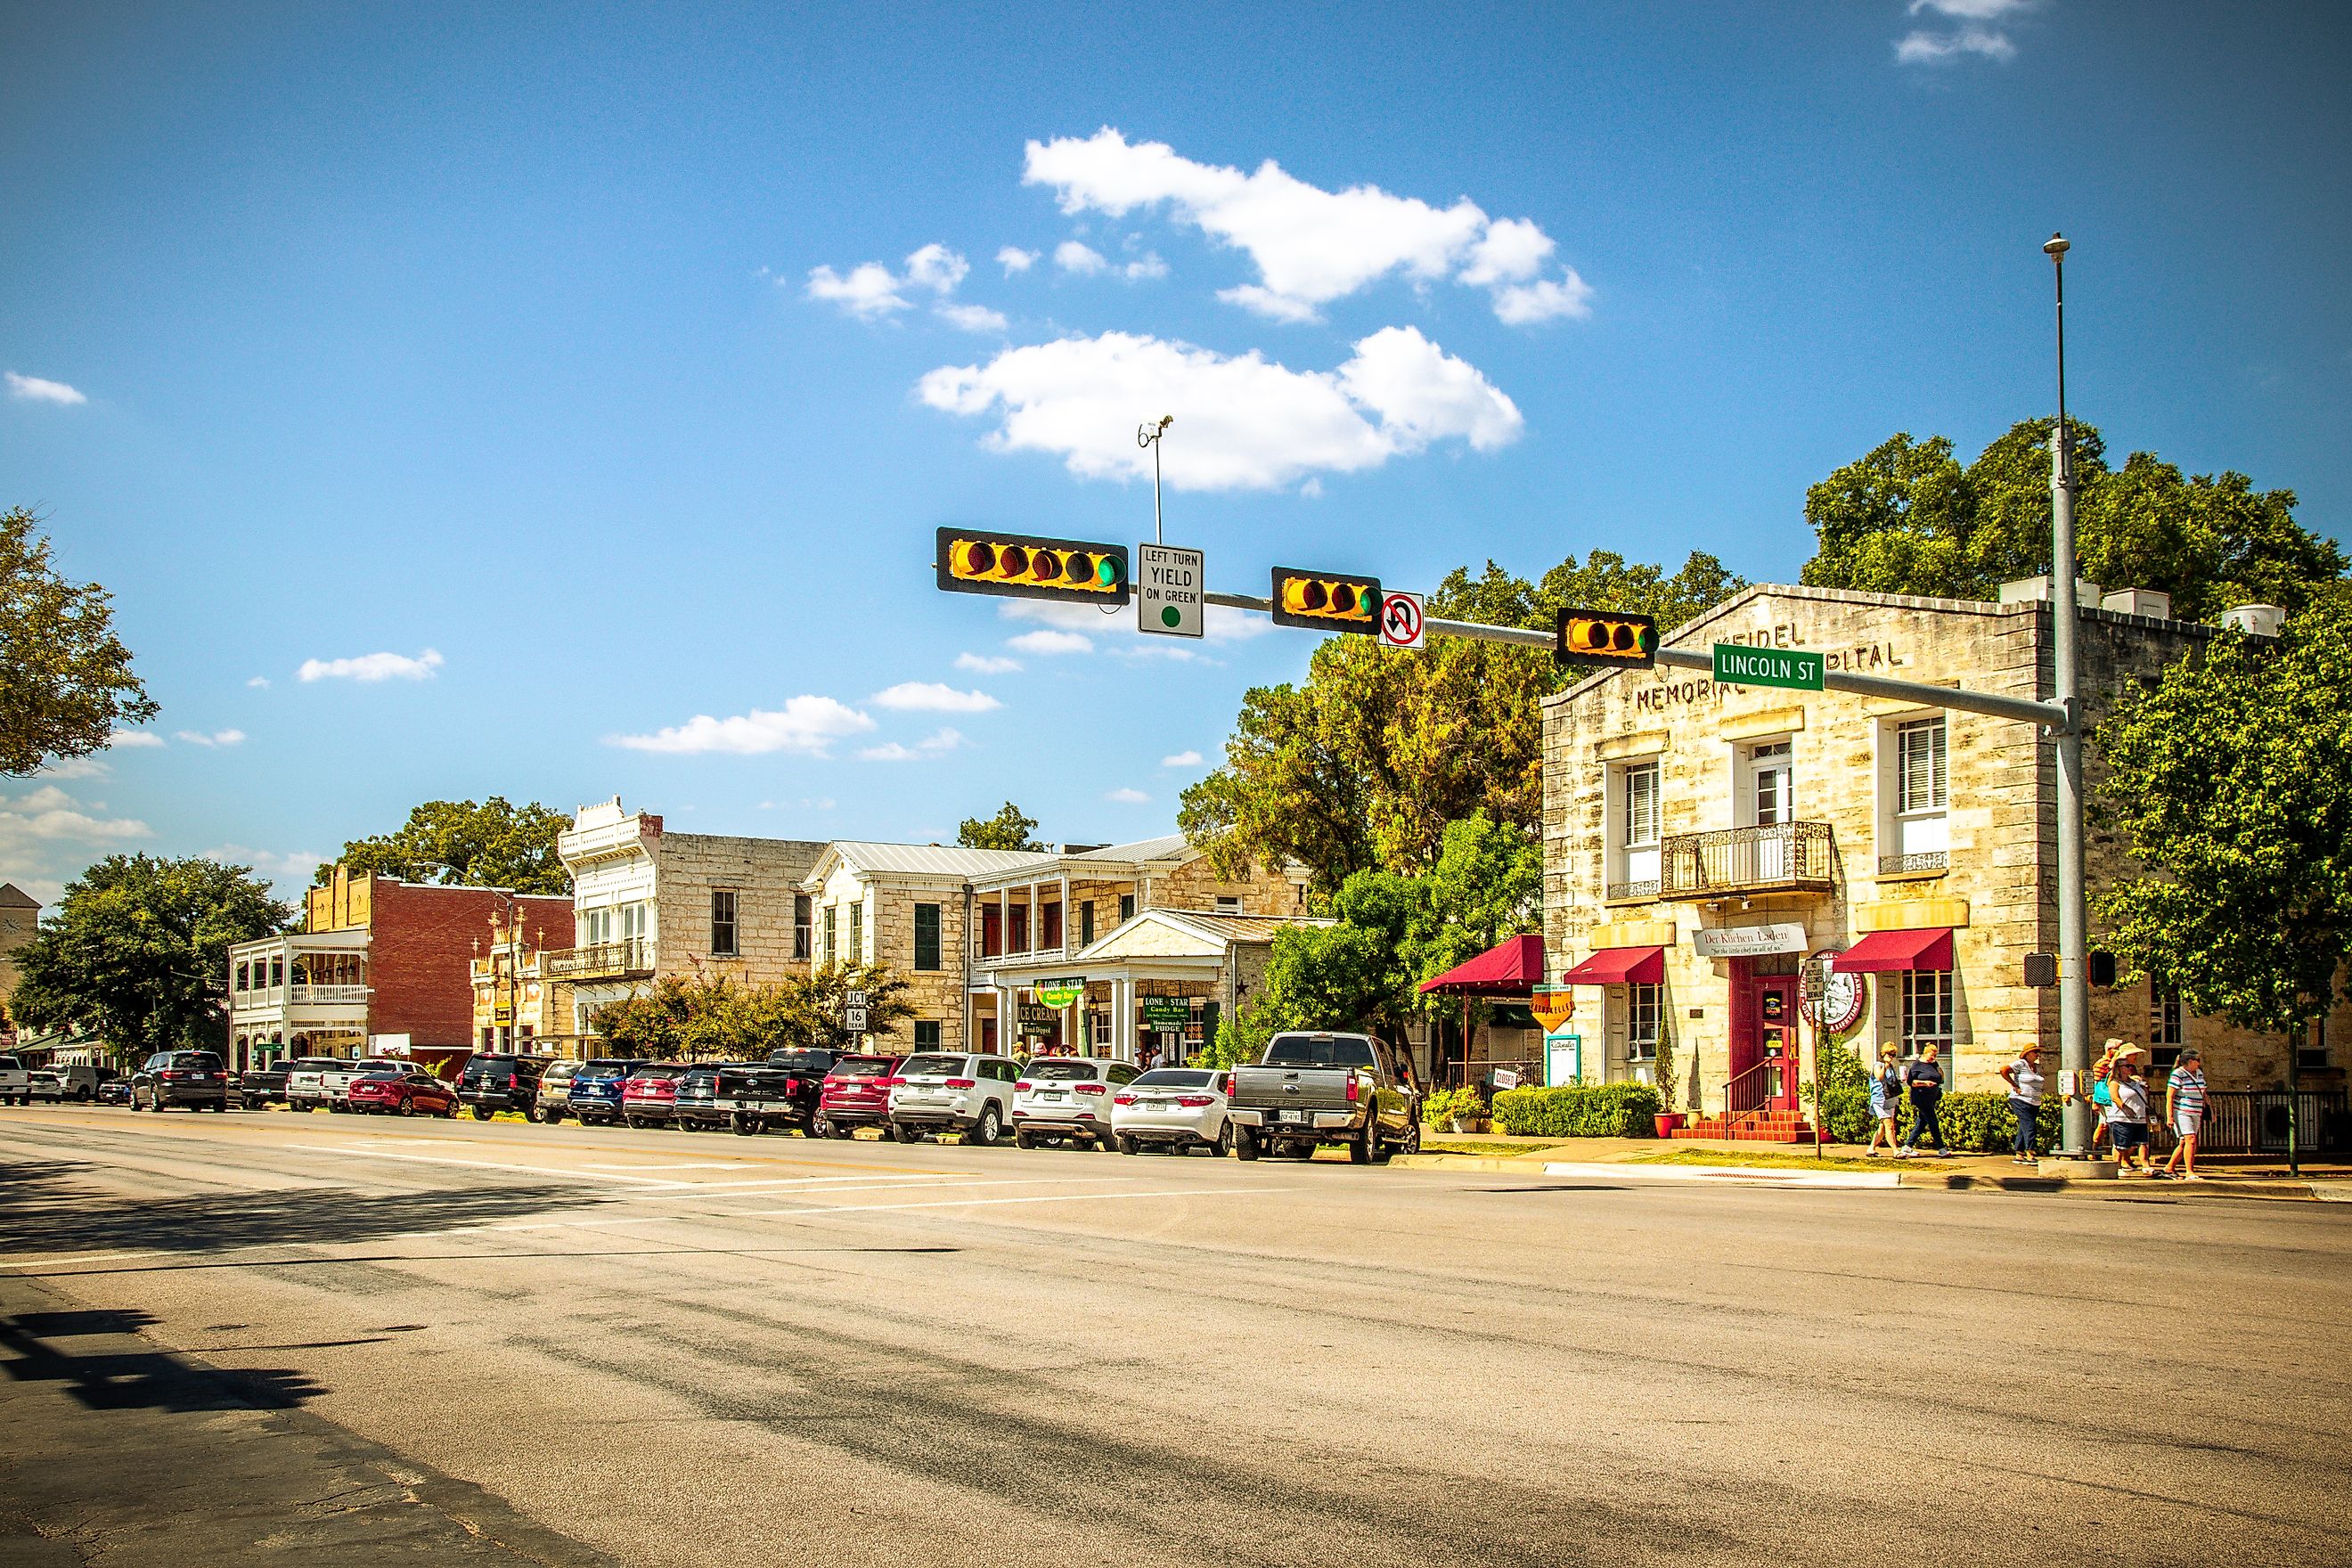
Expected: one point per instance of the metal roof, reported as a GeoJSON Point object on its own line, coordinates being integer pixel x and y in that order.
{"type": "Point", "coordinates": [935, 859]}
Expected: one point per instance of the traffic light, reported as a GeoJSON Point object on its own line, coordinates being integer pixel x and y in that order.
{"type": "Point", "coordinates": [1020, 566]}
{"type": "Point", "coordinates": [1326, 601]}
{"type": "Point", "coordinates": [1606, 639]}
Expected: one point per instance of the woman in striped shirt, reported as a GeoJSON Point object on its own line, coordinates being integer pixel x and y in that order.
{"type": "Point", "coordinates": [2184, 1107]}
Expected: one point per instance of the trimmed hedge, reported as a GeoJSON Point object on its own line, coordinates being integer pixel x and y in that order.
{"type": "Point", "coordinates": [1973, 1122]}
{"type": "Point", "coordinates": [1594, 1111]}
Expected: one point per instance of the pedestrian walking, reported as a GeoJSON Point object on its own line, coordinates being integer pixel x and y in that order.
{"type": "Point", "coordinates": [2184, 1107]}
{"type": "Point", "coordinates": [2024, 1078]}
{"type": "Point", "coordinates": [2103, 1093]}
{"type": "Point", "coordinates": [1925, 1080]}
{"type": "Point", "coordinates": [2127, 1113]}
{"type": "Point", "coordinates": [1886, 1102]}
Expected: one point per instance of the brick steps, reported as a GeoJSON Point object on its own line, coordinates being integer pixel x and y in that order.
{"type": "Point", "coordinates": [1753, 1127]}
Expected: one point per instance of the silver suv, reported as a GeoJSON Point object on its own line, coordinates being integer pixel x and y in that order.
{"type": "Point", "coordinates": [304, 1088]}
{"type": "Point", "coordinates": [1067, 1098]}
{"type": "Point", "coordinates": [952, 1091]}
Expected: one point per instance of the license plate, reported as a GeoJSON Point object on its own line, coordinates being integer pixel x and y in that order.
{"type": "Point", "coordinates": [1053, 1094]}
{"type": "Point", "coordinates": [1290, 1115]}
{"type": "Point", "coordinates": [1159, 1104]}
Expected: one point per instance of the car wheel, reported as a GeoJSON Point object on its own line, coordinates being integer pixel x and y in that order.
{"type": "Point", "coordinates": [1412, 1141]}
{"type": "Point", "coordinates": [742, 1124]}
{"type": "Point", "coordinates": [984, 1131]}
{"type": "Point", "coordinates": [1127, 1145]}
{"type": "Point", "coordinates": [818, 1127]}
{"type": "Point", "coordinates": [482, 1113]}
{"type": "Point", "coordinates": [1364, 1149]}
{"type": "Point", "coordinates": [1023, 1139]}
{"type": "Point", "coordinates": [1224, 1144]}
{"type": "Point", "coordinates": [1246, 1142]}
{"type": "Point", "coordinates": [1104, 1142]}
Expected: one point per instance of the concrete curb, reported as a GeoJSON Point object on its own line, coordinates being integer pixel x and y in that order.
{"type": "Point", "coordinates": [1728, 1176]}
{"type": "Point", "coordinates": [2276, 1190]}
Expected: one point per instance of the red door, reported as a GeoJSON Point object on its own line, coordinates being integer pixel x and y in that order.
{"type": "Point", "coordinates": [1763, 1031]}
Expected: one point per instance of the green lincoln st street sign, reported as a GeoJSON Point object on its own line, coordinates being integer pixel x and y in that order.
{"type": "Point", "coordinates": [1739, 665]}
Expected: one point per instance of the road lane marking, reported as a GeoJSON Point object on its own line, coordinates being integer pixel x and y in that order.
{"type": "Point", "coordinates": [500, 1165]}
{"type": "Point", "coordinates": [686, 1167]}
{"type": "Point", "coordinates": [1038, 1198]}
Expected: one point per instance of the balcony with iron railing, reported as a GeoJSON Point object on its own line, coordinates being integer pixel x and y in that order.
{"type": "Point", "coordinates": [1733, 862]}
{"type": "Point", "coordinates": [630, 958]}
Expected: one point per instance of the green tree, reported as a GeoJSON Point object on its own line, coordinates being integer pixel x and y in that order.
{"type": "Point", "coordinates": [1488, 885]}
{"type": "Point", "coordinates": [1364, 764]}
{"type": "Point", "coordinates": [491, 845]}
{"type": "Point", "coordinates": [1909, 518]}
{"type": "Point", "coordinates": [1008, 830]}
{"type": "Point", "coordinates": [818, 1001]}
{"type": "Point", "coordinates": [704, 1016]}
{"type": "Point", "coordinates": [65, 677]}
{"type": "Point", "coordinates": [2232, 780]}
{"type": "Point", "coordinates": [137, 952]}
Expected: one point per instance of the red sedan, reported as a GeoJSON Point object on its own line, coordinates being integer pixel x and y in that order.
{"type": "Point", "coordinates": [403, 1094]}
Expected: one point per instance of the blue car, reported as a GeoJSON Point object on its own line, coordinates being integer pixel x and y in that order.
{"type": "Point", "coordinates": [596, 1095]}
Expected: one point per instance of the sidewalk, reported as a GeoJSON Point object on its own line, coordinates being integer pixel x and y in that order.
{"type": "Point", "coordinates": [1769, 1164]}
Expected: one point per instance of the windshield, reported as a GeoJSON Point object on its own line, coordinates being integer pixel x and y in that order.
{"type": "Point", "coordinates": [860, 1066]}
{"type": "Point", "coordinates": [930, 1067]}
{"type": "Point", "coordinates": [661, 1072]}
{"type": "Point", "coordinates": [801, 1061]}
{"type": "Point", "coordinates": [1064, 1071]}
{"type": "Point", "coordinates": [1175, 1078]}
{"type": "Point", "coordinates": [1319, 1051]}
{"type": "Point", "coordinates": [607, 1066]}
{"type": "Point", "coordinates": [492, 1064]}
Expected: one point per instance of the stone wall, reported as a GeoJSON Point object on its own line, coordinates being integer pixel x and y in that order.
{"type": "Point", "coordinates": [764, 874]}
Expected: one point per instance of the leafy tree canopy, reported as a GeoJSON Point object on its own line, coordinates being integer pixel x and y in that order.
{"type": "Point", "coordinates": [1008, 830]}
{"type": "Point", "coordinates": [1364, 764]}
{"type": "Point", "coordinates": [137, 952]}
{"type": "Point", "coordinates": [1909, 518]}
{"type": "Point", "coordinates": [65, 677]}
{"type": "Point", "coordinates": [2232, 779]}
{"type": "Point", "coordinates": [492, 845]}
{"type": "Point", "coordinates": [704, 1016]}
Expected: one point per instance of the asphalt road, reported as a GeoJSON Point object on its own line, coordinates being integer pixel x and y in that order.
{"type": "Point", "coordinates": [266, 1337]}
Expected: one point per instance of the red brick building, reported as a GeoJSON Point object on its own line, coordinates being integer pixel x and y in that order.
{"type": "Point", "coordinates": [378, 965]}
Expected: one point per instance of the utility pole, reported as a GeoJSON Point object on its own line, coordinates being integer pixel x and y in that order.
{"type": "Point", "coordinates": [2073, 936]}
{"type": "Point", "coordinates": [1148, 434]}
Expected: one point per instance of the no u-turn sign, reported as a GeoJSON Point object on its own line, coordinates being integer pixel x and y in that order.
{"type": "Point", "coordinates": [1401, 620]}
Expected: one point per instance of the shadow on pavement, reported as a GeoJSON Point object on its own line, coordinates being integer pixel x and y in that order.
{"type": "Point", "coordinates": [43, 1209]}
{"type": "Point", "coordinates": [138, 1380]}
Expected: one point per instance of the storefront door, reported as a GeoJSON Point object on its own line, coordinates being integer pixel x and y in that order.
{"type": "Point", "coordinates": [1763, 1031]}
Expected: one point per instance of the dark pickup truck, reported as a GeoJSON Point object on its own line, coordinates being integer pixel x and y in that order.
{"type": "Point", "coordinates": [781, 1092]}
{"type": "Point", "coordinates": [1317, 1089]}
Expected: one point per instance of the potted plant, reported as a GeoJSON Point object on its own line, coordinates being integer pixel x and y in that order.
{"type": "Point", "coordinates": [1465, 1111]}
{"type": "Point", "coordinates": [1668, 1117]}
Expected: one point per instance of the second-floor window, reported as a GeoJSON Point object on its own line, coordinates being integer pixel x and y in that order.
{"type": "Point", "coordinates": [1634, 811]}
{"type": "Point", "coordinates": [832, 931]}
{"type": "Point", "coordinates": [802, 936]}
{"type": "Point", "coordinates": [1126, 907]}
{"type": "Point", "coordinates": [722, 921]}
{"type": "Point", "coordinates": [857, 932]}
{"type": "Point", "coordinates": [927, 936]}
{"type": "Point", "coordinates": [1918, 838]}
{"type": "Point", "coordinates": [1086, 924]}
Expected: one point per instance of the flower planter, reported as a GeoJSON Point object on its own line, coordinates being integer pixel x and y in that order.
{"type": "Point", "coordinates": [1469, 1124]}
{"type": "Point", "coordinates": [1667, 1123]}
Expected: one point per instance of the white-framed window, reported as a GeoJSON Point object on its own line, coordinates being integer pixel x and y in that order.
{"type": "Point", "coordinates": [1922, 776]}
{"type": "Point", "coordinates": [1927, 1011]}
{"type": "Point", "coordinates": [1914, 797]}
{"type": "Point", "coordinates": [1646, 1013]}
{"type": "Point", "coordinates": [1768, 785]}
{"type": "Point", "coordinates": [723, 930]}
{"type": "Point", "coordinates": [1632, 819]}
{"type": "Point", "coordinates": [831, 933]}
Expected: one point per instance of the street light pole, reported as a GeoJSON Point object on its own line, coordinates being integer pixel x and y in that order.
{"type": "Point", "coordinates": [1148, 434]}
{"type": "Point", "coordinates": [2073, 936]}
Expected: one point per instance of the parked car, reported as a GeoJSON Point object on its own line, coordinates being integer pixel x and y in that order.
{"type": "Point", "coordinates": [553, 1096]}
{"type": "Point", "coordinates": [1174, 1108]}
{"type": "Point", "coordinates": [1311, 1088]}
{"type": "Point", "coordinates": [405, 1092]}
{"type": "Point", "coordinates": [501, 1082]}
{"type": "Point", "coordinates": [336, 1081]}
{"type": "Point", "coordinates": [649, 1096]}
{"type": "Point", "coordinates": [594, 1095]}
{"type": "Point", "coordinates": [114, 1090]}
{"type": "Point", "coordinates": [855, 1093]}
{"type": "Point", "coordinates": [193, 1078]}
{"type": "Point", "coordinates": [15, 1083]}
{"type": "Point", "coordinates": [256, 1087]}
{"type": "Point", "coordinates": [1067, 1098]}
{"type": "Point", "coordinates": [84, 1079]}
{"type": "Point", "coordinates": [697, 1108]}
{"type": "Point", "coordinates": [943, 1091]}
{"type": "Point", "coordinates": [784, 1091]}
{"type": "Point", "coordinates": [43, 1084]}
{"type": "Point", "coordinates": [306, 1087]}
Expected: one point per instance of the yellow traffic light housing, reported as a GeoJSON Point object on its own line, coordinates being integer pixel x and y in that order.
{"type": "Point", "coordinates": [1606, 639]}
{"type": "Point", "coordinates": [1326, 601]}
{"type": "Point", "coordinates": [1023, 566]}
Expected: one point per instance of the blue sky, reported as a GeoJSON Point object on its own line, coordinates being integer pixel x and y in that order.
{"type": "Point", "coordinates": [454, 405]}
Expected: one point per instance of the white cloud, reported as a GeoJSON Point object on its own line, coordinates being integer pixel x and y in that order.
{"type": "Point", "coordinates": [217, 738]}
{"type": "Point", "coordinates": [1143, 267]}
{"type": "Point", "coordinates": [259, 680]}
{"type": "Point", "coordinates": [1050, 642]}
{"type": "Point", "coordinates": [986, 663]}
{"type": "Point", "coordinates": [971, 318]}
{"type": "Point", "coordinates": [1221, 625]}
{"type": "Point", "coordinates": [49, 815]}
{"type": "Point", "coordinates": [804, 724]}
{"type": "Point", "coordinates": [33, 389]}
{"type": "Point", "coordinates": [291, 869]}
{"type": "Point", "coordinates": [1973, 10]}
{"type": "Point", "coordinates": [1129, 797]}
{"type": "Point", "coordinates": [1253, 423]}
{"type": "Point", "coordinates": [1310, 245]}
{"type": "Point", "coordinates": [936, 267]}
{"type": "Point", "coordinates": [1541, 301]}
{"type": "Point", "coordinates": [929, 746]}
{"type": "Point", "coordinates": [869, 293]}
{"type": "Point", "coordinates": [1923, 47]}
{"type": "Point", "coordinates": [1082, 259]}
{"type": "Point", "coordinates": [1182, 760]}
{"type": "Point", "coordinates": [124, 739]}
{"type": "Point", "coordinates": [933, 697]}
{"type": "Point", "coordinates": [372, 667]}
{"type": "Point", "coordinates": [75, 768]}
{"type": "Point", "coordinates": [1012, 258]}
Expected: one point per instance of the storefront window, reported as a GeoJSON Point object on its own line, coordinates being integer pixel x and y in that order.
{"type": "Point", "coordinates": [1926, 1010]}
{"type": "Point", "coordinates": [1645, 1010]}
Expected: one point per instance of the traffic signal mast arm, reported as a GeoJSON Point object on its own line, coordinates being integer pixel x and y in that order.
{"type": "Point", "coordinates": [2052, 715]}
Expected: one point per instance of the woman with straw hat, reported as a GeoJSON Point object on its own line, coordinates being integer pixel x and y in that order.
{"type": "Point", "coordinates": [2127, 1112]}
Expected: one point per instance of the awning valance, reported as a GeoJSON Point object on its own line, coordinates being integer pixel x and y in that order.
{"type": "Point", "coordinates": [1916, 947]}
{"type": "Point", "coordinates": [1620, 966]}
{"type": "Point", "coordinates": [1512, 967]}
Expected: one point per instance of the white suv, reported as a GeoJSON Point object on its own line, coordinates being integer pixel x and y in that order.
{"type": "Point", "coordinates": [305, 1089]}
{"type": "Point", "coordinates": [943, 1091]}
{"type": "Point", "coordinates": [1067, 1097]}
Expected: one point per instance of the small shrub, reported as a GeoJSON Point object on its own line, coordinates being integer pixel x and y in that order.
{"type": "Point", "coordinates": [1599, 1110]}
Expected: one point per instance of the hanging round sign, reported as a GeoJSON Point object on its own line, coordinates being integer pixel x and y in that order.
{"type": "Point", "coordinates": [1832, 1000]}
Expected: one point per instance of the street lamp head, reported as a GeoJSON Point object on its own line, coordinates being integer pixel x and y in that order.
{"type": "Point", "coordinates": [2055, 248]}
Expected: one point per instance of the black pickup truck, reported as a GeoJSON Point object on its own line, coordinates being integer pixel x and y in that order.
{"type": "Point", "coordinates": [780, 1092]}
{"type": "Point", "coordinates": [1326, 1087]}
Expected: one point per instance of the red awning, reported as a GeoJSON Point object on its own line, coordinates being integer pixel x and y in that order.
{"type": "Point", "coordinates": [1620, 966]}
{"type": "Point", "coordinates": [1513, 967]}
{"type": "Point", "coordinates": [1918, 947]}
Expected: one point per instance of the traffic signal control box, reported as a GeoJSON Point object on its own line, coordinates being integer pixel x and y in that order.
{"type": "Point", "coordinates": [1326, 601]}
{"type": "Point", "coordinates": [1606, 639]}
{"type": "Point", "coordinates": [1023, 567]}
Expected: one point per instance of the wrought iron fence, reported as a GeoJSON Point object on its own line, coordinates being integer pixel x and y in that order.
{"type": "Point", "coordinates": [632, 956]}
{"type": "Point", "coordinates": [1928, 860]}
{"type": "Point", "coordinates": [1626, 892]}
{"type": "Point", "coordinates": [2253, 1122]}
{"type": "Point", "coordinates": [1778, 856]}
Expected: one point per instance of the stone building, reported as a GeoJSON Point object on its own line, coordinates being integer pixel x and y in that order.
{"type": "Point", "coordinates": [378, 966]}
{"type": "Point", "coordinates": [1700, 840]}
{"type": "Point", "coordinates": [649, 903]}
{"type": "Point", "coordinates": [20, 917]}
